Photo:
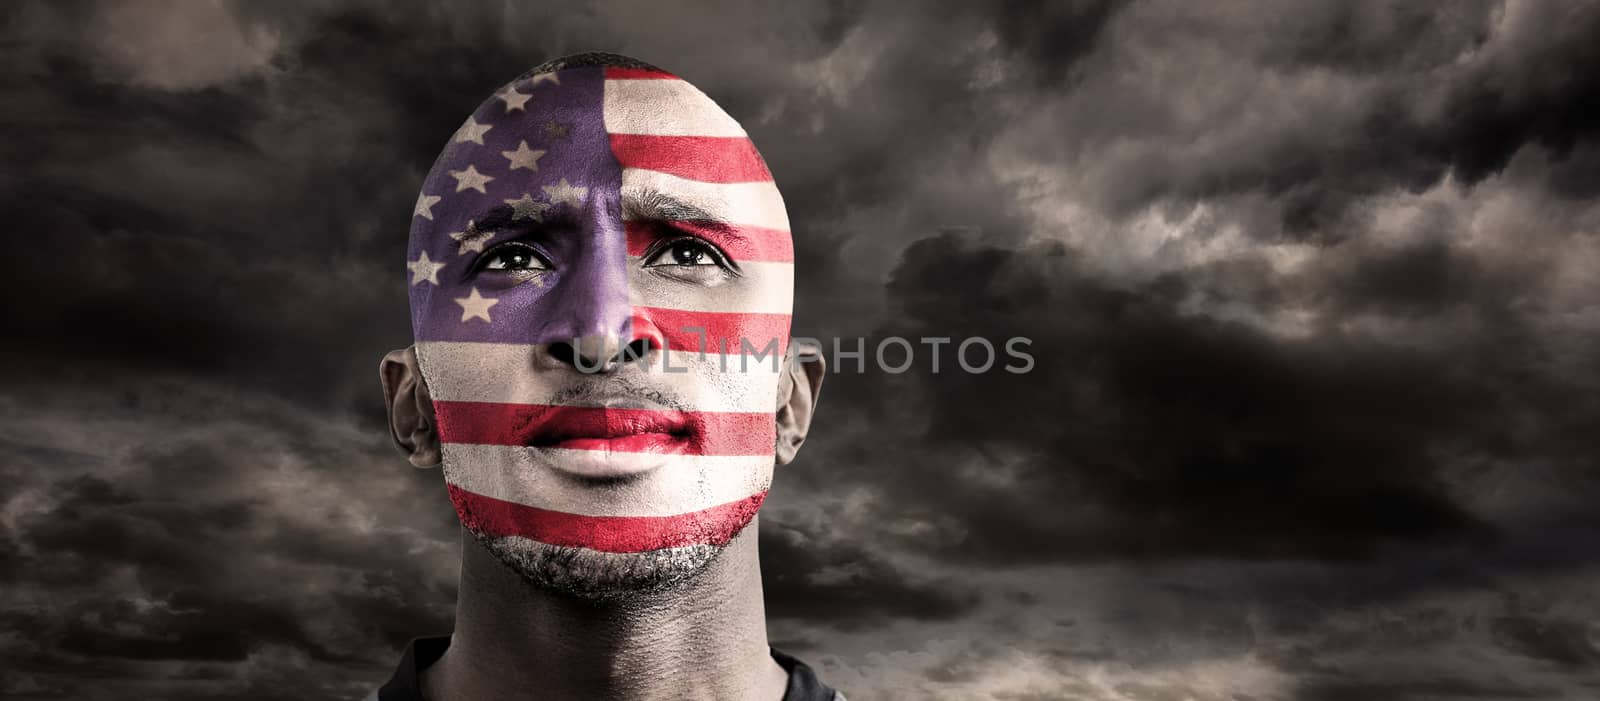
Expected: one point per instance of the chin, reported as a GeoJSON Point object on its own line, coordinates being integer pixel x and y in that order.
{"type": "Point", "coordinates": [597, 576]}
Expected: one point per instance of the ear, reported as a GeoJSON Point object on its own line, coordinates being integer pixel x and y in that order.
{"type": "Point", "coordinates": [798, 389]}
{"type": "Point", "coordinates": [411, 421]}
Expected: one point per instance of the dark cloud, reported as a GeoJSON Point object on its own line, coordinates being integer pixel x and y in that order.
{"type": "Point", "coordinates": [843, 584]}
{"type": "Point", "coordinates": [1050, 36]}
{"type": "Point", "coordinates": [1422, 689]}
{"type": "Point", "coordinates": [1322, 106]}
{"type": "Point", "coordinates": [1561, 642]}
{"type": "Point", "coordinates": [170, 538]}
{"type": "Point", "coordinates": [1267, 447]}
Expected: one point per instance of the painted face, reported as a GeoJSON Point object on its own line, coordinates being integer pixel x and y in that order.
{"type": "Point", "coordinates": [573, 212]}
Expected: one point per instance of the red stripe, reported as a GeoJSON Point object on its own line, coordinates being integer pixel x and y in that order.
{"type": "Point", "coordinates": [698, 432]}
{"type": "Point", "coordinates": [753, 243]}
{"type": "Point", "coordinates": [615, 73]}
{"type": "Point", "coordinates": [717, 332]}
{"type": "Point", "coordinates": [710, 159]}
{"type": "Point", "coordinates": [615, 534]}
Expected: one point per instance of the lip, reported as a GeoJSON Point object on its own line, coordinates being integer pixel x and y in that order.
{"type": "Point", "coordinates": [619, 439]}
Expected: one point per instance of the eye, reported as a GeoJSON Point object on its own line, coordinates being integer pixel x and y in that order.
{"type": "Point", "coordinates": [513, 256]}
{"type": "Point", "coordinates": [685, 252]}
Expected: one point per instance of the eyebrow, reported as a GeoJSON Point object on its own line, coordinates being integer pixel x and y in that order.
{"type": "Point", "coordinates": [652, 204]}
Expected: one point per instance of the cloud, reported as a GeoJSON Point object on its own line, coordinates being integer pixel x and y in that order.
{"type": "Point", "coordinates": [164, 47]}
{"type": "Point", "coordinates": [839, 582]}
{"type": "Point", "coordinates": [1267, 447]}
{"type": "Point", "coordinates": [176, 527]}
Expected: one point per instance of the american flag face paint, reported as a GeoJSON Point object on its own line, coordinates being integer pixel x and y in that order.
{"type": "Point", "coordinates": [602, 202]}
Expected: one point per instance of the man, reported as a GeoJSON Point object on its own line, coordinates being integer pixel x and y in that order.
{"type": "Point", "coordinates": [601, 277]}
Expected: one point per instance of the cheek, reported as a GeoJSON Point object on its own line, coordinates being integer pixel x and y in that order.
{"type": "Point", "coordinates": [716, 312]}
{"type": "Point", "coordinates": [717, 382]}
{"type": "Point", "coordinates": [476, 373]}
{"type": "Point", "coordinates": [749, 382]}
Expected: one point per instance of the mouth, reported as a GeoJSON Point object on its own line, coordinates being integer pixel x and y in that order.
{"type": "Point", "coordinates": [611, 429]}
{"type": "Point", "coordinates": [608, 441]}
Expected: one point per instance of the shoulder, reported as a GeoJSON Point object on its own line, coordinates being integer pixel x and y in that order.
{"type": "Point", "coordinates": [404, 684]}
{"type": "Point", "coordinates": [803, 682]}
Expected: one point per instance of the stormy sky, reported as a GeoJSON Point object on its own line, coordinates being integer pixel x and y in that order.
{"type": "Point", "coordinates": [1312, 289]}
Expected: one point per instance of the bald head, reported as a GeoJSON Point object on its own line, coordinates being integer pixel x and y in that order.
{"type": "Point", "coordinates": [600, 155]}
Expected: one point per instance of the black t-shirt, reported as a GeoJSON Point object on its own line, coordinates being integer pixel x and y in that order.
{"type": "Point", "coordinates": [421, 652]}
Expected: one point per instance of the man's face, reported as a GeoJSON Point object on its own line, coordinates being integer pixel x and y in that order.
{"type": "Point", "coordinates": [575, 215]}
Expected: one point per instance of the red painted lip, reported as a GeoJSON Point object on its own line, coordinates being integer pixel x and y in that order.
{"type": "Point", "coordinates": [614, 429]}
{"type": "Point", "coordinates": [545, 425]}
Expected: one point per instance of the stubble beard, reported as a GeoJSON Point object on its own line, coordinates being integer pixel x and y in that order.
{"type": "Point", "coordinates": [595, 576]}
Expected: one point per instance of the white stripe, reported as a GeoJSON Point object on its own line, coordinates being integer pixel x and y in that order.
{"type": "Point", "coordinates": [754, 204]}
{"type": "Point", "coordinates": [664, 108]}
{"type": "Point", "coordinates": [765, 287]}
{"type": "Point", "coordinates": [503, 373]}
{"type": "Point", "coordinates": [682, 484]}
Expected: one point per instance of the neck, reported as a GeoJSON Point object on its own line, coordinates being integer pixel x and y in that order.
{"type": "Point", "coordinates": [704, 640]}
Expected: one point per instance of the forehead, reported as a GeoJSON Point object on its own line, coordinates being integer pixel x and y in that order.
{"type": "Point", "coordinates": [644, 142]}
{"type": "Point", "coordinates": [596, 166]}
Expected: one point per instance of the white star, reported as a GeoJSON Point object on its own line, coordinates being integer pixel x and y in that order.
{"type": "Point", "coordinates": [423, 269]}
{"type": "Point", "coordinates": [525, 207]}
{"type": "Point", "coordinates": [425, 206]}
{"type": "Point", "coordinates": [513, 99]}
{"type": "Point", "coordinates": [471, 239]}
{"type": "Point", "coordinates": [470, 179]}
{"type": "Point", "coordinates": [542, 77]}
{"type": "Point", "coordinates": [472, 131]}
{"type": "Point", "coordinates": [475, 306]}
{"type": "Point", "coordinates": [564, 192]}
{"type": "Point", "coordinates": [523, 157]}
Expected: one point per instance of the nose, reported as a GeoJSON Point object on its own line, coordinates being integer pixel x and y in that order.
{"type": "Point", "coordinates": [604, 353]}
{"type": "Point", "coordinates": [586, 315]}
